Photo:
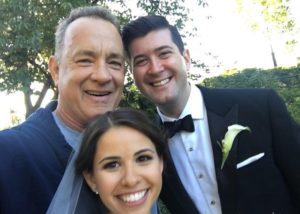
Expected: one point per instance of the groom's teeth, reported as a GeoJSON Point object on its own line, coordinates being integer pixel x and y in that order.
{"type": "Point", "coordinates": [160, 83]}
{"type": "Point", "coordinates": [133, 197]}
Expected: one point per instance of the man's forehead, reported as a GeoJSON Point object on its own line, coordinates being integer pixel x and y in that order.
{"type": "Point", "coordinates": [153, 39]}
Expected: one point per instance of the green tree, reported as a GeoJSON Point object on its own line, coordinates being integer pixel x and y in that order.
{"type": "Point", "coordinates": [27, 38]}
{"type": "Point", "coordinates": [27, 41]}
{"type": "Point", "coordinates": [286, 81]}
{"type": "Point", "coordinates": [273, 18]}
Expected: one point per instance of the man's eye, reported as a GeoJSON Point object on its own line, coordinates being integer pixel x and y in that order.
{"type": "Point", "coordinates": [84, 61]}
{"type": "Point", "coordinates": [165, 54]}
{"type": "Point", "coordinates": [116, 64]}
{"type": "Point", "coordinates": [140, 62]}
{"type": "Point", "coordinates": [111, 165]}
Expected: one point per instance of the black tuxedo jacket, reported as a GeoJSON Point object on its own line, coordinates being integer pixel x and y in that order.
{"type": "Point", "coordinates": [268, 185]}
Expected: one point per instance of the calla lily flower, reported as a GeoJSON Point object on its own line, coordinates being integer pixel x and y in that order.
{"type": "Point", "coordinates": [227, 142]}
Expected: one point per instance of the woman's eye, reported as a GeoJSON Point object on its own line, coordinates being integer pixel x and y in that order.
{"type": "Point", "coordinates": [144, 158]}
{"type": "Point", "coordinates": [111, 165]}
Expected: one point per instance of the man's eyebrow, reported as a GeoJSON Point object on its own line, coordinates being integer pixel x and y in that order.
{"type": "Point", "coordinates": [155, 50]}
{"type": "Point", "coordinates": [162, 47]}
{"type": "Point", "coordinates": [93, 53]}
{"type": "Point", "coordinates": [84, 53]}
{"type": "Point", "coordinates": [116, 55]}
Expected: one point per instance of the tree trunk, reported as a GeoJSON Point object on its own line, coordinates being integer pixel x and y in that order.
{"type": "Point", "coordinates": [30, 108]}
{"type": "Point", "coordinates": [273, 58]}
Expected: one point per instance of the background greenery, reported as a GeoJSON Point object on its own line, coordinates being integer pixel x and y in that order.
{"type": "Point", "coordinates": [286, 81]}
{"type": "Point", "coordinates": [27, 40]}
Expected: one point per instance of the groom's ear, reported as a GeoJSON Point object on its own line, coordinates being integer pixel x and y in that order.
{"type": "Point", "coordinates": [89, 178]}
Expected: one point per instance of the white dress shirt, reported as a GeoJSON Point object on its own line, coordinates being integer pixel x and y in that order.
{"type": "Point", "coordinates": [193, 156]}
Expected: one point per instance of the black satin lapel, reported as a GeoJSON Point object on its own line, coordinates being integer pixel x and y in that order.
{"type": "Point", "coordinates": [226, 177]}
{"type": "Point", "coordinates": [173, 193]}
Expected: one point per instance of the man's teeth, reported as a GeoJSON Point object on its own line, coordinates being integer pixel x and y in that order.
{"type": "Point", "coordinates": [133, 197]}
{"type": "Point", "coordinates": [163, 82]}
{"type": "Point", "coordinates": [97, 93]}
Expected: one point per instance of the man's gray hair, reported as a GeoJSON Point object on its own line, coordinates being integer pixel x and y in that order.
{"type": "Point", "coordinates": [90, 11]}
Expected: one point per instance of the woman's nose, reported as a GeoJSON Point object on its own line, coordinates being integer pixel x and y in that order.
{"type": "Point", "coordinates": [130, 177]}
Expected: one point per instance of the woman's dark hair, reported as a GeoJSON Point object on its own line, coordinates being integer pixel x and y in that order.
{"type": "Point", "coordinates": [121, 117]}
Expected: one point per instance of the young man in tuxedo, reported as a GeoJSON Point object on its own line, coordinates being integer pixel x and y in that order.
{"type": "Point", "coordinates": [261, 173]}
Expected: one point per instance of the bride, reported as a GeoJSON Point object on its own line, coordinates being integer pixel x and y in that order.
{"type": "Point", "coordinates": [117, 169]}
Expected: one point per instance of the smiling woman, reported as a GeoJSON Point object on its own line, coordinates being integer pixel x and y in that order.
{"type": "Point", "coordinates": [126, 170]}
{"type": "Point", "coordinates": [121, 158]}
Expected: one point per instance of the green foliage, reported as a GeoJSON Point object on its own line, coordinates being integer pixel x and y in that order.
{"type": "Point", "coordinates": [133, 98]}
{"type": "Point", "coordinates": [27, 39]}
{"type": "Point", "coordinates": [271, 14]}
{"type": "Point", "coordinates": [162, 207]}
{"type": "Point", "coordinates": [286, 81]}
{"type": "Point", "coordinates": [270, 17]}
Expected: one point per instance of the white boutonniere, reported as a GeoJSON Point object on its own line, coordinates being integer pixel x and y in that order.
{"type": "Point", "coordinates": [227, 142]}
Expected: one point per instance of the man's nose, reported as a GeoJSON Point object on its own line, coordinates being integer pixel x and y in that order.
{"type": "Point", "coordinates": [156, 65]}
{"type": "Point", "coordinates": [101, 73]}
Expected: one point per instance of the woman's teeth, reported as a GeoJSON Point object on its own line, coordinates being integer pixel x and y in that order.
{"type": "Point", "coordinates": [133, 197]}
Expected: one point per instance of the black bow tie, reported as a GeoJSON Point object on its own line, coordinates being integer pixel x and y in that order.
{"type": "Point", "coordinates": [185, 124]}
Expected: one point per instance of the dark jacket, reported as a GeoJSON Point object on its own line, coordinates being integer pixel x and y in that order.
{"type": "Point", "coordinates": [33, 157]}
{"type": "Point", "coordinates": [269, 185]}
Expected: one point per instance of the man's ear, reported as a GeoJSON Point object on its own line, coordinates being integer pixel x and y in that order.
{"type": "Point", "coordinates": [187, 59]}
{"type": "Point", "coordinates": [89, 178]}
{"type": "Point", "coordinates": [54, 69]}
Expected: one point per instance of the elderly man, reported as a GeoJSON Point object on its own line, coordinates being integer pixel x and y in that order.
{"type": "Point", "coordinates": [88, 69]}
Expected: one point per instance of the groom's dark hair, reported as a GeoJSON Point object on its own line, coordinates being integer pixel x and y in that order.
{"type": "Point", "coordinates": [146, 24]}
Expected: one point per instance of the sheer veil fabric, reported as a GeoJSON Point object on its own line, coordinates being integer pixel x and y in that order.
{"type": "Point", "coordinates": [66, 197]}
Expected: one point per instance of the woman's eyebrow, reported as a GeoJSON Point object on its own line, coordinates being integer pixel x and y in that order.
{"type": "Point", "coordinates": [144, 150]}
{"type": "Point", "coordinates": [109, 158]}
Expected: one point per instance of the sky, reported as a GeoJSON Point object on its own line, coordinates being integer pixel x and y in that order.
{"type": "Point", "coordinates": [226, 35]}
